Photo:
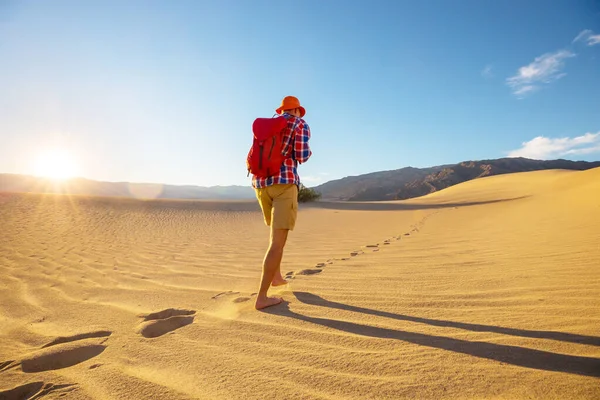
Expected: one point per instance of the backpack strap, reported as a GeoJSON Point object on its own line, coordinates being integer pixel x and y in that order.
{"type": "Point", "coordinates": [293, 140]}
{"type": "Point", "coordinates": [293, 136]}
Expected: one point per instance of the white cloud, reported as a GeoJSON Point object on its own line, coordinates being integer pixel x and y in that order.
{"type": "Point", "coordinates": [487, 72]}
{"type": "Point", "coordinates": [544, 69]}
{"type": "Point", "coordinates": [583, 35]}
{"type": "Point", "coordinates": [314, 180]}
{"type": "Point", "coordinates": [309, 178]}
{"type": "Point", "coordinates": [543, 148]}
{"type": "Point", "coordinates": [523, 90]}
{"type": "Point", "coordinates": [588, 37]}
{"type": "Point", "coordinates": [587, 150]}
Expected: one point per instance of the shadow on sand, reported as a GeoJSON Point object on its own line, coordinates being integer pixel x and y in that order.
{"type": "Point", "coordinates": [395, 206]}
{"type": "Point", "coordinates": [515, 355]}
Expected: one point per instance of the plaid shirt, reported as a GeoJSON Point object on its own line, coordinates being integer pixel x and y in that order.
{"type": "Point", "coordinates": [300, 154]}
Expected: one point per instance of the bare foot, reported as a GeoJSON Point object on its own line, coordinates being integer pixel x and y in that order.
{"type": "Point", "coordinates": [279, 281]}
{"type": "Point", "coordinates": [267, 302]}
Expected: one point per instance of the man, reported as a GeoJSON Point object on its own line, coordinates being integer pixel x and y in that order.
{"type": "Point", "coordinates": [278, 197]}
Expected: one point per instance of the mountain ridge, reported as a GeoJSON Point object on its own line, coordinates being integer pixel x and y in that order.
{"type": "Point", "coordinates": [410, 182]}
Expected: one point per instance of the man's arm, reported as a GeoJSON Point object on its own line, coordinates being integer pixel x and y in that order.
{"type": "Point", "coordinates": [302, 150]}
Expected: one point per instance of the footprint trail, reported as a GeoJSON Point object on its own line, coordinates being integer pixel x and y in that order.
{"type": "Point", "coordinates": [319, 267]}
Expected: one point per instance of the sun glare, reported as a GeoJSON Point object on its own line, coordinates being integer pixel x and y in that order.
{"type": "Point", "coordinates": [55, 163]}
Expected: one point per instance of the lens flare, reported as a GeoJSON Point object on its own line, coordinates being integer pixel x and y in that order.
{"type": "Point", "coordinates": [56, 163]}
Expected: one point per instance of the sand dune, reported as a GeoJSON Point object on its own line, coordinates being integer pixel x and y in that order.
{"type": "Point", "coordinates": [488, 289]}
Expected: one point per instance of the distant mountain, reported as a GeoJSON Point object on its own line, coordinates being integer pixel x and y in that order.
{"type": "Point", "coordinates": [398, 184]}
{"type": "Point", "coordinates": [411, 182]}
{"type": "Point", "coordinates": [80, 186]}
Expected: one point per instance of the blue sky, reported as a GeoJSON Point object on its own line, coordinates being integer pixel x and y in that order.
{"type": "Point", "coordinates": [166, 91]}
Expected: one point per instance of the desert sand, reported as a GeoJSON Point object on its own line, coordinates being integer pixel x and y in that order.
{"type": "Point", "coordinates": [486, 290]}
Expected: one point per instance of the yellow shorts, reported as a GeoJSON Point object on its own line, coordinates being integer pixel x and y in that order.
{"type": "Point", "coordinates": [279, 204]}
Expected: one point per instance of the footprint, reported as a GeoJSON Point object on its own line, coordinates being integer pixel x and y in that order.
{"type": "Point", "coordinates": [372, 246]}
{"type": "Point", "coordinates": [36, 390]}
{"type": "Point", "coordinates": [62, 355]}
{"type": "Point", "coordinates": [66, 339]}
{"type": "Point", "coordinates": [240, 299]}
{"type": "Point", "coordinates": [163, 322]}
{"type": "Point", "coordinates": [289, 276]}
{"type": "Point", "coordinates": [228, 293]}
{"type": "Point", "coordinates": [156, 328]}
{"type": "Point", "coordinates": [320, 265]}
{"type": "Point", "coordinates": [25, 391]}
{"type": "Point", "coordinates": [6, 365]}
{"type": "Point", "coordinates": [309, 271]}
{"type": "Point", "coordinates": [356, 253]}
{"type": "Point", "coordinates": [169, 312]}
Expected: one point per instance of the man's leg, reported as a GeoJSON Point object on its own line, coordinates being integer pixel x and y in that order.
{"type": "Point", "coordinates": [271, 265]}
{"type": "Point", "coordinates": [285, 210]}
{"type": "Point", "coordinates": [278, 279]}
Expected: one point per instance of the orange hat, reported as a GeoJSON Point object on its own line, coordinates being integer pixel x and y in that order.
{"type": "Point", "coordinates": [289, 103]}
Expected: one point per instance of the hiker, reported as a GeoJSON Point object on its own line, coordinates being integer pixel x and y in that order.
{"type": "Point", "coordinates": [277, 190]}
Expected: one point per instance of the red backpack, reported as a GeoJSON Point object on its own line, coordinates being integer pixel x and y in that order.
{"type": "Point", "coordinates": [264, 158]}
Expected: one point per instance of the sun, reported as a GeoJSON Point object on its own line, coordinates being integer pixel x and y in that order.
{"type": "Point", "coordinates": [56, 163]}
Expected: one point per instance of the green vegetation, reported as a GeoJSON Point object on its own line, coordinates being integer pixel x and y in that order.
{"type": "Point", "coordinates": [306, 194]}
